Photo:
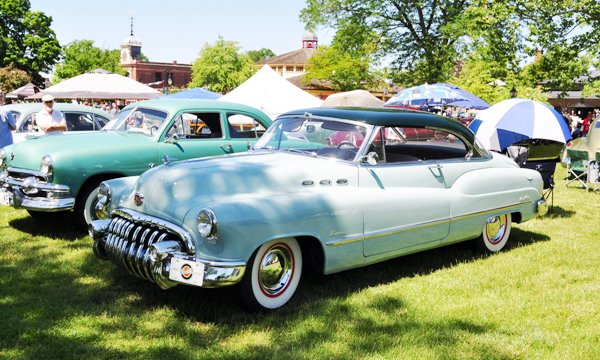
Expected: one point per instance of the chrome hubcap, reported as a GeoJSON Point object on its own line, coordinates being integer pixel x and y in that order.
{"type": "Point", "coordinates": [275, 270]}
{"type": "Point", "coordinates": [495, 227]}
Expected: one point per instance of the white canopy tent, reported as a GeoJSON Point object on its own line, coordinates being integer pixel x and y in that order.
{"type": "Point", "coordinates": [100, 84]}
{"type": "Point", "coordinates": [354, 98]}
{"type": "Point", "coordinates": [271, 93]}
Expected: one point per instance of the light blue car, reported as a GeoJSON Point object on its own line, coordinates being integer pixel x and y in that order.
{"type": "Point", "coordinates": [302, 199]}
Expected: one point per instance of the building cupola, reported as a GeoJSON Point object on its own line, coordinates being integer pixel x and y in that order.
{"type": "Point", "coordinates": [131, 47]}
{"type": "Point", "coordinates": [309, 40]}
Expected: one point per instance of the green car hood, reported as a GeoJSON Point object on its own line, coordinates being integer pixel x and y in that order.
{"type": "Point", "coordinates": [29, 153]}
{"type": "Point", "coordinates": [79, 156]}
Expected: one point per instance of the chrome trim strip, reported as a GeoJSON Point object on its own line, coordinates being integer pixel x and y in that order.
{"type": "Point", "coordinates": [379, 233]}
{"type": "Point", "coordinates": [136, 216]}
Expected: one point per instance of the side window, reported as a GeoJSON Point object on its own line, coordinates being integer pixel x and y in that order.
{"type": "Point", "coordinates": [244, 126]}
{"type": "Point", "coordinates": [101, 120]}
{"type": "Point", "coordinates": [79, 121]}
{"type": "Point", "coordinates": [180, 127]}
{"type": "Point", "coordinates": [26, 124]}
{"type": "Point", "coordinates": [416, 144]}
{"type": "Point", "coordinates": [197, 126]}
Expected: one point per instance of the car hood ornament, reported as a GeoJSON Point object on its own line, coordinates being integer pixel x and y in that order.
{"type": "Point", "coordinates": [138, 199]}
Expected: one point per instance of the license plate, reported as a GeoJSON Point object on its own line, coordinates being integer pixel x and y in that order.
{"type": "Point", "coordinates": [186, 271]}
{"type": "Point", "coordinates": [5, 198]}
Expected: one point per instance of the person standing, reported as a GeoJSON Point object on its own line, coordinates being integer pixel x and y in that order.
{"type": "Point", "coordinates": [586, 123]}
{"type": "Point", "coordinates": [7, 123]}
{"type": "Point", "coordinates": [48, 120]}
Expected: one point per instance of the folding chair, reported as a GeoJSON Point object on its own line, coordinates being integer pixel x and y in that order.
{"type": "Point", "coordinates": [594, 172]}
{"type": "Point", "coordinates": [577, 167]}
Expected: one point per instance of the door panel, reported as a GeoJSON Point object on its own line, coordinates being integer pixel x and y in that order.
{"type": "Point", "coordinates": [406, 206]}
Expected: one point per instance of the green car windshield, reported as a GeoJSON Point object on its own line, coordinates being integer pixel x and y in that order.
{"type": "Point", "coordinates": [140, 120]}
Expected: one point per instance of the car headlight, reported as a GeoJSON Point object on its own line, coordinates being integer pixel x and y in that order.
{"type": "Point", "coordinates": [2, 159]}
{"type": "Point", "coordinates": [104, 199]}
{"type": "Point", "coordinates": [207, 223]}
{"type": "Point", "coordinates": [47, 165]}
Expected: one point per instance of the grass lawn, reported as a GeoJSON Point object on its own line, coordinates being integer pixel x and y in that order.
{"type": "Point", "coordinates": [538, 299]}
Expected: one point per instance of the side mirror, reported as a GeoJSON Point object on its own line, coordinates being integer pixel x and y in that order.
{"type": "Point", "coordinates": [172, 139]}
{"type": "Point", "coordinates": [371, 158]}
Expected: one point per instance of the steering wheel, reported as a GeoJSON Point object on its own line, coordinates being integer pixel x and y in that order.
{"type": "Point", "coordinates": [153, 129]}
{"type": "Point", "coordinates": [347, 143]}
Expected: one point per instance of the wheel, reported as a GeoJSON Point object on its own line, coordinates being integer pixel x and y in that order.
{"type": "Point", "coordinates": [495, 233]}
{"type": "Point", "coordinates": [86, 203]}
{"type": "Point", "coordinates": [272, 275]}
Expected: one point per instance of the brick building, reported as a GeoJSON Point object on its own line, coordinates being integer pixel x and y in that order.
{"type": "Point", "coordinates": [158, 75]}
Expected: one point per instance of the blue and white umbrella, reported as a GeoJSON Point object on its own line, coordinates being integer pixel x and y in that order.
{"type": "Point", "coordinates": [514, 120]}
{"type": "Point", "coordinates": [430, 95]}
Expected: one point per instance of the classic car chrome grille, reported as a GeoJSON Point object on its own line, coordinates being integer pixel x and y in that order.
{"type": "Point", "coordinates": [128, 241]}
{"type": "Point", "coordinates": [22, 174]}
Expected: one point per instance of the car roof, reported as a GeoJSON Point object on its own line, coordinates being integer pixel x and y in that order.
{"type": "Point", "coordinates": [174, 105]}
{"type": "Point", "coordinates": [35, 107]}
{"type": "Point", "coordinates": [388, 117]}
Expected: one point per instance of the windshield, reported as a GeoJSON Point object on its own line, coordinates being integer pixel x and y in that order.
{"type": "Point", "coordinates": [139, 120]}
{"type": "Point", "coordinates": [340, 139]}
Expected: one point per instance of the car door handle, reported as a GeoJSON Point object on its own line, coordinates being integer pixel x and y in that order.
{"type": "Point", "coordinates": [227, 148]}
{"type": "Point", "coordinates": [436, 166]}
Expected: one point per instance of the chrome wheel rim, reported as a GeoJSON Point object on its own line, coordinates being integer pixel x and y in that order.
{"type": "Point", "coordinates": [495, 228]}
{"type": "Point", "coordinates": [276, 270]}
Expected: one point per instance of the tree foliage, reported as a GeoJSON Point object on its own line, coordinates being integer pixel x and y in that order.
{"type": "Point", "coordinates": [12, 78]}
{"type": "Point", "coordinates": [427, 41]}
{"type": "Point", "coordinates": [221, 67]}
{"type": "Point", "coordinates": [262, 54]}
{"type": "Point", "coordinates": [26, 39]}
{"type": "Point", "coordinates": [81, 56]}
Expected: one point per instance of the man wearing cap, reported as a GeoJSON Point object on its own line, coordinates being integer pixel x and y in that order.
{"type": "Point", "coordinates": [49, 120]}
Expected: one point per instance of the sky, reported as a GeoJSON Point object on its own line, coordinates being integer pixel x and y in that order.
{"type": "Point", "coordinates": [178, 29]}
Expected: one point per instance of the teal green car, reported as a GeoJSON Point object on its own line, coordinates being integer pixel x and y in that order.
{"type": "Point", "coordinates": [61, 173]}
{"type": "Point", "coordinates": [330, 189]}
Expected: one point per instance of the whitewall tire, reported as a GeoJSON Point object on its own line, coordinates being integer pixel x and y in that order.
{"type": "Point", "coordinates": [272, 275]}
{"type": "Point", "coordinates": [496, 231]}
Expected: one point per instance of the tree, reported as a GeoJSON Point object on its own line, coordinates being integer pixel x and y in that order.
{"type": "Point", "coordinates": [81, 56]}
{"type": "Point", "coordinates": [221, 67]}
{"type": "Point", "coordinates": [420, 37]}
{"type": "Point", "coordinates": [348, 63]}
{"type": "Point", "coordinates": [12, 78]}
{"type": "Point", "coordinates": [26, 39]}
{"type": "Point", "coordinates": [262, 54]}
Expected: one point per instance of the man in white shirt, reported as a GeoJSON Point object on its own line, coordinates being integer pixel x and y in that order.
{"type": "Point", "coordinates": [48, 120]}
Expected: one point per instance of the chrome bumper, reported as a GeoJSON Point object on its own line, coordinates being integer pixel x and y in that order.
{"type": "Point", "coordinates": [33, 194]}
{"type": "Point", "coordinates": [542, 207]}
{"type": "Point", "coordinates": [159, 257]}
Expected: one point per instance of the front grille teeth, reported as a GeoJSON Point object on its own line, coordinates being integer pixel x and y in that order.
{"type": "Point", "coordinates": [127, 245]}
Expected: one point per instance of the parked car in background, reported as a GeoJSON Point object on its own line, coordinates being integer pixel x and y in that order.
{"type": "Point", "coordinates": [301, 200]}
{"type": "Point", "coordinates": [78, 118]}
{"type": "Point", "coordinates": [61, 173]}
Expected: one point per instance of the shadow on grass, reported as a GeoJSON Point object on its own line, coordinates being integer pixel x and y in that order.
{"type": "Point", "coordinates": [44, 302]}
{"type": "Point", "coordinates": [558, 211]}
{"type": "Point", "coordinates": [61, 226]}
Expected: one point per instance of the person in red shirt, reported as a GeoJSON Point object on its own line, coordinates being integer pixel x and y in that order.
{"type": "Point", "coordinates": [586, 123]}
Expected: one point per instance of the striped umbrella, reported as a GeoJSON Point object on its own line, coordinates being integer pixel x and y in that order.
{"type": "Point", "coordinates": [514, 120]}
{"type": "Point", "coordinates": [427, 94]}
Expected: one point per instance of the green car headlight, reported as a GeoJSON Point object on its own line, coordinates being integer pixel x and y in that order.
{"type": "Point", "coordinates": [47, 165]}
{"type": "Point", "coordinates": [207, 223]}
